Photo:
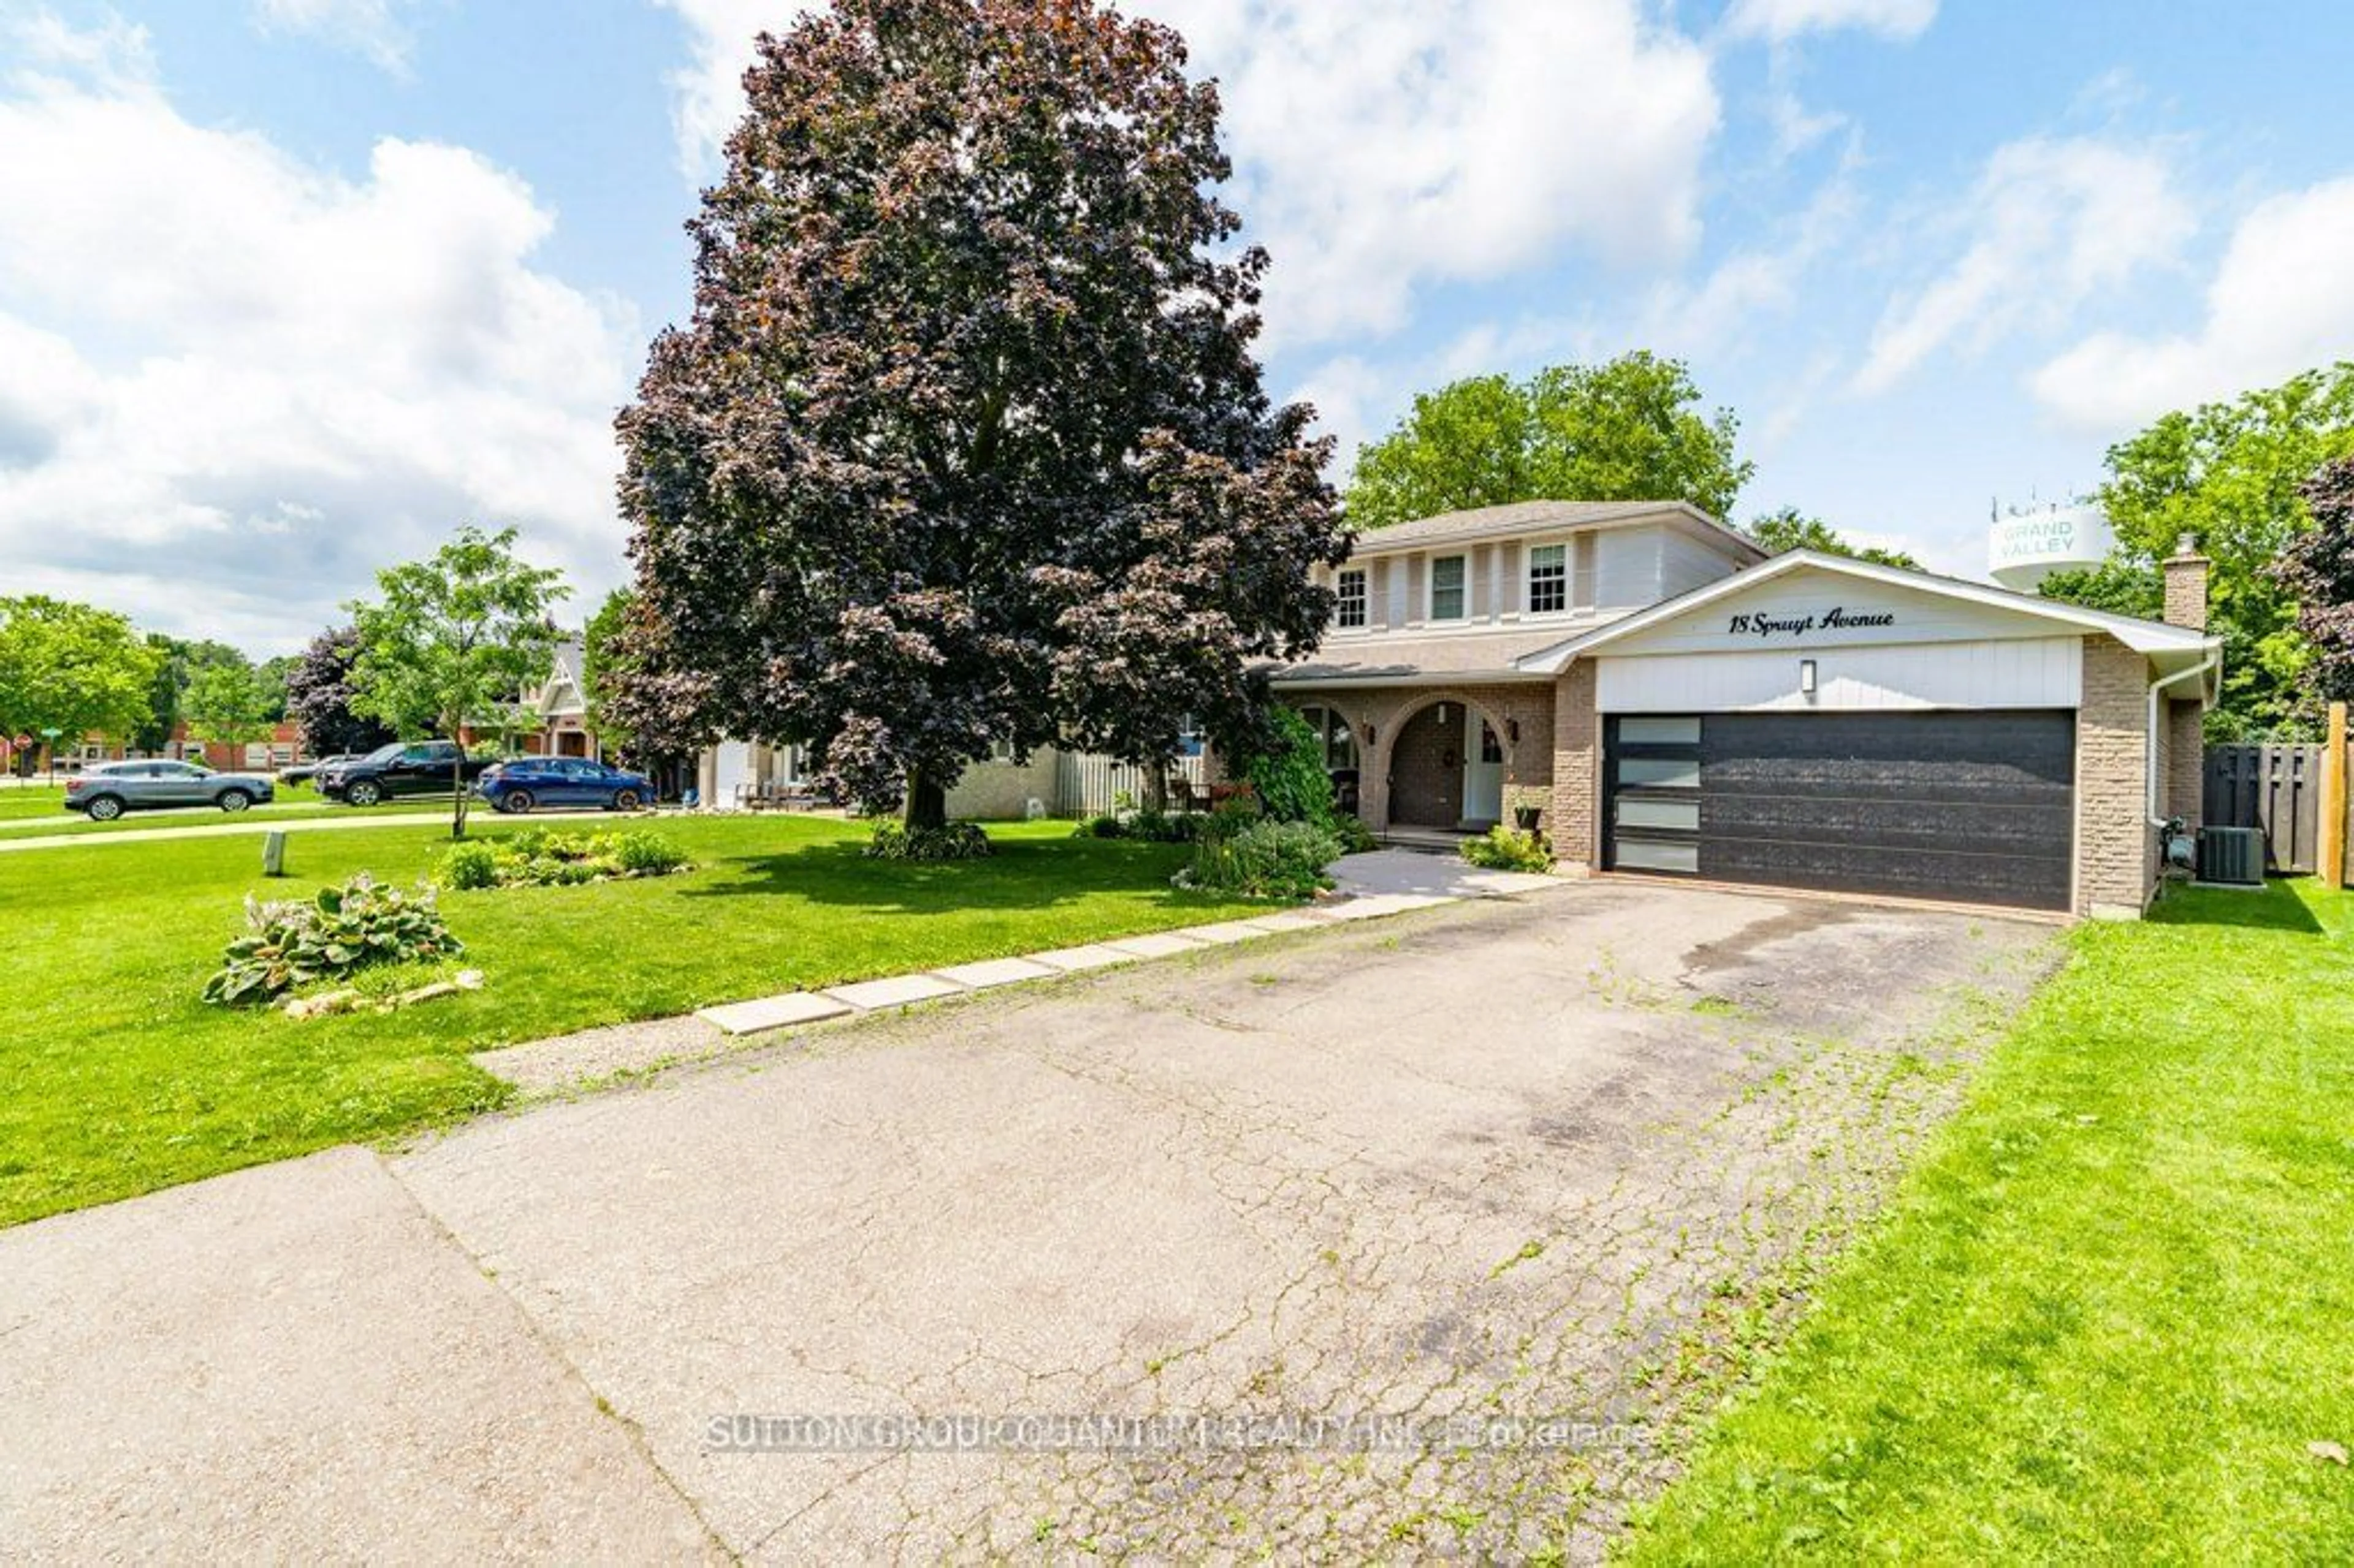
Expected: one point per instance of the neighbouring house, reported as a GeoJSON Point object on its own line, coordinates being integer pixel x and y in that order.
{"type": "Point", "coordinates": [283, 748]}
{"type": "Point", "coordinates": [1052, 781]}
{"type": "Point", "coordinates": [1642, 684]}
{"type": "Point", "coordinates": [560, 706]}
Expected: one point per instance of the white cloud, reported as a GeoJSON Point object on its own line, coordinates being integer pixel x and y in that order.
{"type": "Point", "coordinates": [233, 382]}
{"type": "Point", "coordinates": [707, 92]}
{"type": "Point", "coordinates": [1784, 19]}
{"type": "Point", "coordinates": [368, 28]}
{"type": "Point", "coordinates": [2277, 305]}
{"type": "Point", "coordinates": [1401, 145]}
{"type": "Point", "coordinates": [2051, 224]}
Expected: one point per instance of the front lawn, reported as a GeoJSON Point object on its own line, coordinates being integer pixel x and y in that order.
{"type": "Point", "coordinates": [24, 801]}
{"type": "Point", "coordinates": [2114, 1310]}
{"type": "Point", "coordinates": [114, 1079]}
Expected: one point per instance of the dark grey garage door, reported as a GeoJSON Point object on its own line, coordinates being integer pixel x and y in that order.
{"type": "Point", "coordinates": [1977, 807]}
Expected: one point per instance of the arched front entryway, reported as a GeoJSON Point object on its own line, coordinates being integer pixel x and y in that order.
{"type": "Point", "coordinates": [1444, 762]}
{"type": "Point", "coordinates": [1336, 728]}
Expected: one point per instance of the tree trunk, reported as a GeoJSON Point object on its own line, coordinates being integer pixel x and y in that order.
{"type": "Point", "coordinates": [927, 803]}
{"type": "Point", "coordinates": [1156, 785]}
{"type": "Point", "coordinates": [458, 790]}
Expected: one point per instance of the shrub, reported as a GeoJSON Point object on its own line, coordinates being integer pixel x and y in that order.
{"type": "Point", "coordinates": [539, 858]}
{"type": "Point", "coordinates": [1354, 836]}
{"type": "Point", "coordinates": [1153, 827]}
{"type": "Point", "coordinates": [1289, 777]}
{"type": "Point", "coordinates": [468, 866]}
{"type": "Point", "coordinates": [299, 942]}
{"type": "Point", "coordinates": [1507, 849]}
{"type": "Point", "coordinates": [642, 854]}
{"type": "Point", "coordinates": [1262, 860]}
{"type": "Point", "coordinates": [952, 841]}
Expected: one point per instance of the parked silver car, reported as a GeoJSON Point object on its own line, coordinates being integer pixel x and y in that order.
{"type": "Point", "coordinates": [105, 793]}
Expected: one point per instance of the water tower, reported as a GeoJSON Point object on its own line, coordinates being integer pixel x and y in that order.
{"type": "Point", "coordinates": [2030, 544]}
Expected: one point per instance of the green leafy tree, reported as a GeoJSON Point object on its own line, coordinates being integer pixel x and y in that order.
{"type": "Point", "coordinates": [272, 674]}
{"type": "Point", "coordinates": [72, 668]}
{"type": "Point", "coordinates": [1779, 533]}
{"type": "Point", "coordinates": [457, 636]}
{"type": "Point", "coordinates": [228, 704]}
{"type": "Point", "coordinates": [966, 428]}
{"type": "Point", "coordinates": [2232, 476]}
{"type": "Point", "coordinates": [1629, 429]}
{"type": "Point", "coordinates": [184, 660]}
{"type": "Point", "coordinates": [602, 652]}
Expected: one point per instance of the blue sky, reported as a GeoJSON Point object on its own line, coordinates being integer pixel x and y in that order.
{"type": "Point", "coordinates": [290, 286]}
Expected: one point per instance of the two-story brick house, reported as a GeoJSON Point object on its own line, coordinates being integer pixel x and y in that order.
{"type": "Point", "coordinates": [1666, 700]}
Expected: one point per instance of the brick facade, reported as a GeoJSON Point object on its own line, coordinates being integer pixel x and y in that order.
{"type": "Point", "coordinates": [1525, 708]}
{"type": "Point", "coordinates": [1576, 770]}
{"type": "Point", "coordinates": [2186, 588]}
{"type": "Point", "coordinates": [2185, 790]}
{"type": "Point", "coordinates": [2117, 849]}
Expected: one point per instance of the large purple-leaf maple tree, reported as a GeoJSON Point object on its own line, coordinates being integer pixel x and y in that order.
{"type": "Point", "coordinates": [965, 441]}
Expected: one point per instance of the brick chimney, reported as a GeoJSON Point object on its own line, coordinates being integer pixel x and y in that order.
{"type": "Point", "coordinates": [2186, 586]}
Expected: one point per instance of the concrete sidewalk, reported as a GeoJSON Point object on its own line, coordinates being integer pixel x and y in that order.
{"type": "Point", "coordinates": [253, 823]}
{"type": "Point", "coordinates": [293, 1363]}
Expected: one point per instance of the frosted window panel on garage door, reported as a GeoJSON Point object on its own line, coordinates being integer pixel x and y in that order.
{"type": "Point", "coordinates": [1680, 815]}
{"type": "Point", "coordinates": [1647, 854]}
{"type": "Point", "coordinates": [1660, 772]}
{"type": "Point", "coordinates": [1658, 731]}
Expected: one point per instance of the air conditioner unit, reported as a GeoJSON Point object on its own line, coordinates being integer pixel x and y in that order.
{"type": "Point", "coordinates": [2234, 857]}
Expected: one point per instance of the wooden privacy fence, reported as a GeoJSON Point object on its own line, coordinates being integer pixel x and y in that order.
{"type": "Point", "coordinates": [2276, 787]}
{"type": "Point", "coordinates": [1086, 785]}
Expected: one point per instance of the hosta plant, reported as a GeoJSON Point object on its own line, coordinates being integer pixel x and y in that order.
{"type": "Point", "coordinates": [295, 943]}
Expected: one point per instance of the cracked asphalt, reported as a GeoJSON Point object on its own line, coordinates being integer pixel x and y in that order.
{"type": "Point", "coordinates": [1540, 1166]}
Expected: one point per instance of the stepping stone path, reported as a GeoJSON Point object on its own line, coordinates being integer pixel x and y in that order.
{"type": "Point", "coordinates": [555, 1064]}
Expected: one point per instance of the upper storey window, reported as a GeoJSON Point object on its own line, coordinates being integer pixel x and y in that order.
{"type": "Point", "coordinates": [1548, 579]}
{"type": "Point", "coordinates": [1446, 579]}
{"type": "Point", "coordinates": [1349, 599]}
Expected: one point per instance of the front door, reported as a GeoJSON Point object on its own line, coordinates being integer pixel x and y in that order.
{"type": "Point", "coordinates": [1426, 769]}
{"type": "Point", "coordinates": [1483, 773]}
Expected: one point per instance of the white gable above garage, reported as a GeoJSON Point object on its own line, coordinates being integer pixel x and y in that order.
{"type": "Point", "coordinates": [1988, 673]}
{"type": "Point", "coordinates": [1821, 610]}
{"type": "Point", "coordinates": [1811, 630]}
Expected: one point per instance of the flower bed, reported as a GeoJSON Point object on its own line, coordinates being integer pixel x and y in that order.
{"type": "Point", "coordinates": [538, 858]}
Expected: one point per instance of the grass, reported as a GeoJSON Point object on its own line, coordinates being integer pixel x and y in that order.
{"type": "Point", "coordinates": [114, 1079]}
{"type": "Point", "coordinates": [2110, 1312]}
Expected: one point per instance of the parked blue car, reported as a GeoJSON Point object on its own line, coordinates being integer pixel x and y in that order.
{"type": "Point", "coordinates": [530, 783]}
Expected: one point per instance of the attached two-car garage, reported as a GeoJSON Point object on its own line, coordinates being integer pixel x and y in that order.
{"type": "Point", "coordinates": [1974, 807]}
{"type": "Point", "coordinates": [1829, 723]}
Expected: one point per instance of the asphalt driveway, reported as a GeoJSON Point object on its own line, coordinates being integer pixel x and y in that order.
{"type": "Point", "coordinates": [1420, 1235]}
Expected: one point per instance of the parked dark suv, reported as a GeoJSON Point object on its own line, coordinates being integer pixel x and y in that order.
{"type": "Point", "coordinates": [417, 768]}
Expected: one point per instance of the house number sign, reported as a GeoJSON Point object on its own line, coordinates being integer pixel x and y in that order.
{"type": "Point", "coordinates": [1839, 618]}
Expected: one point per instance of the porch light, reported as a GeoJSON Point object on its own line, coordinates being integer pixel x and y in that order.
{"type": "Point", "coordinates": [1369, 734]}
{"type": "Point", "coordinates": [1442, 713]}
{"type": "Point", "coordinates": [1807, 676]}
{"type": "Point", "coordinates": [1512, 730]}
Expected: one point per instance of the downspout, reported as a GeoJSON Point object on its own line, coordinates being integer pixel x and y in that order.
{"type": "Point", "coordinates": [2213, 661]}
